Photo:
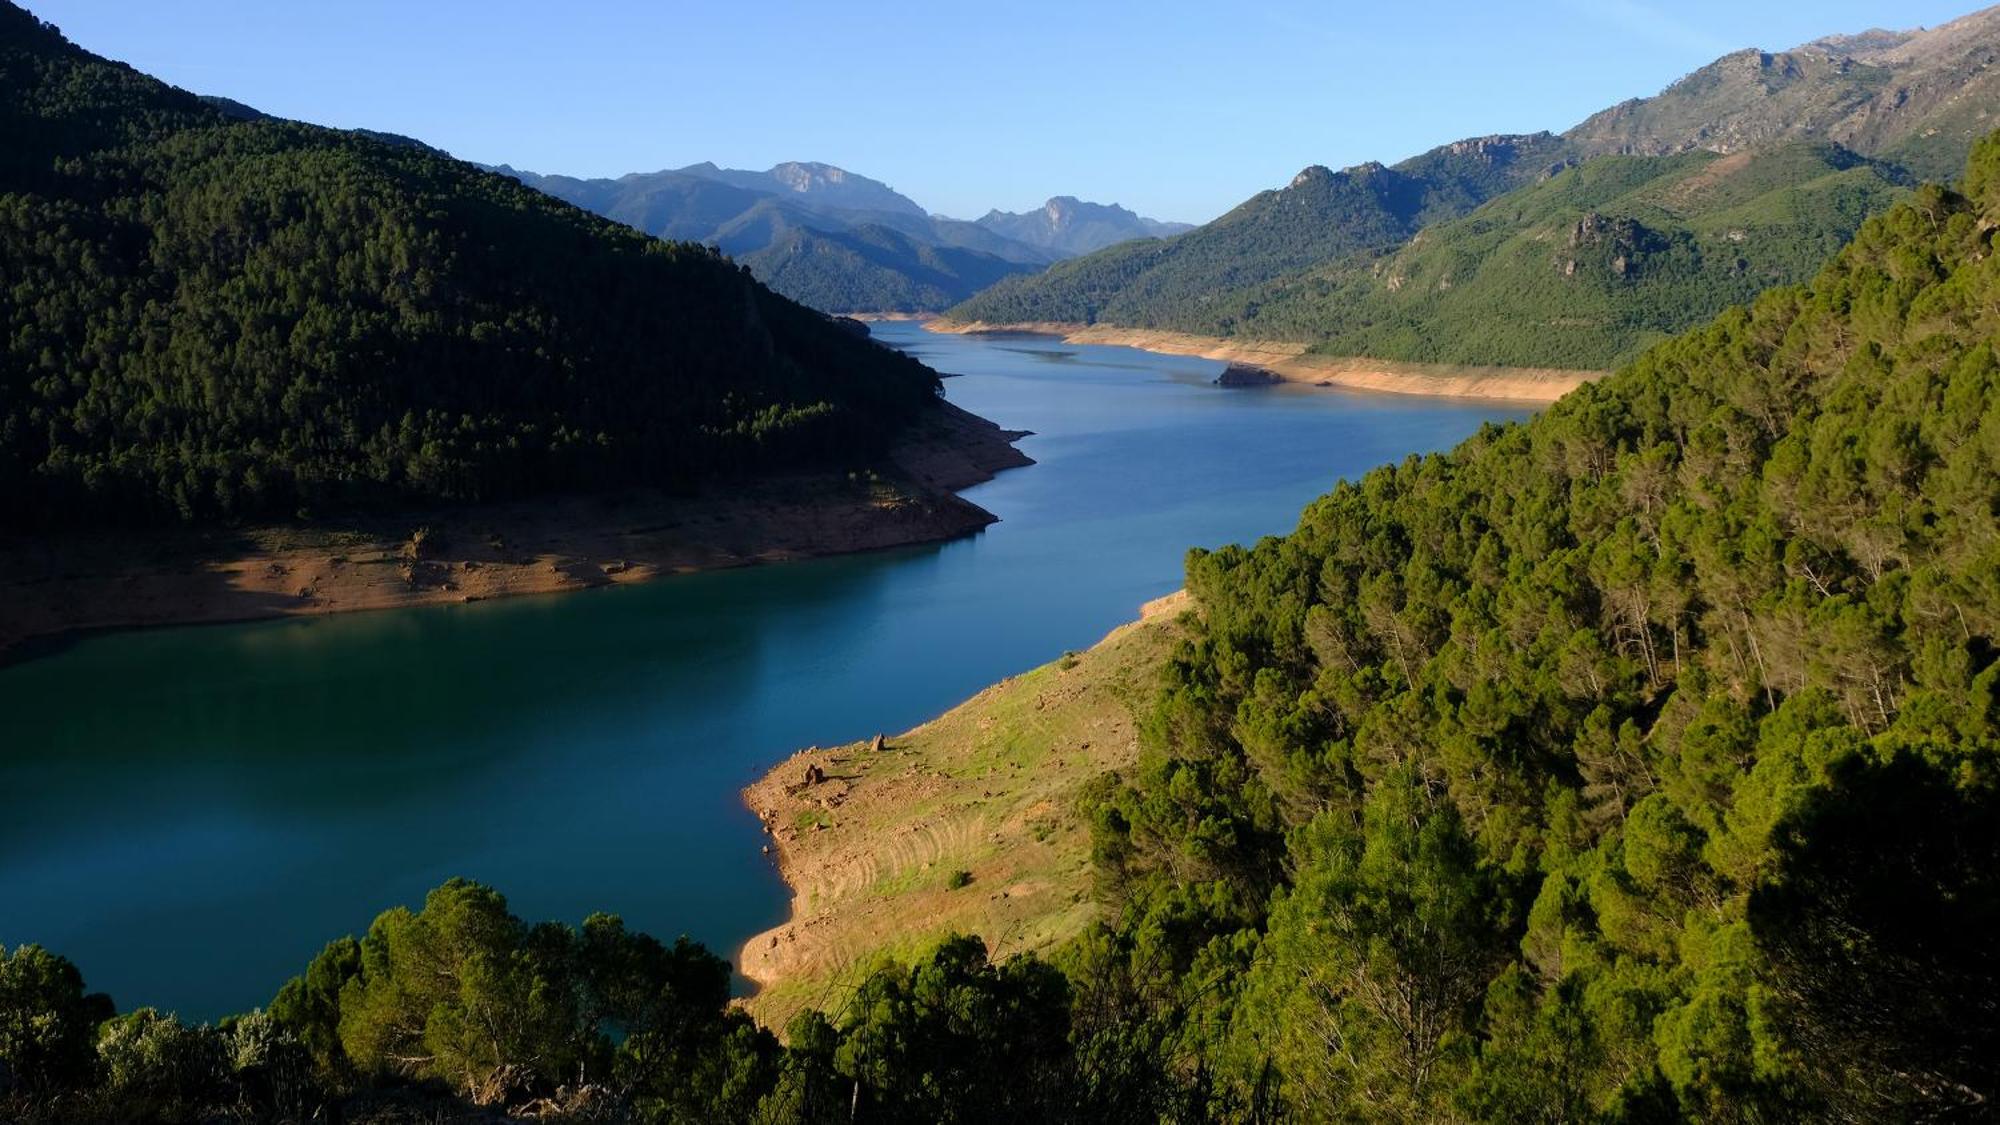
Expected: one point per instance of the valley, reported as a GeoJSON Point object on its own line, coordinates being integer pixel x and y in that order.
{"type": "Point", "coordinates": [1510, 635]}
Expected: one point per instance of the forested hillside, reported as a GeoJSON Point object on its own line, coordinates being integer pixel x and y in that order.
{"type": "Point", "coordinates": [212, 318]}
{"type": "Point", "coordinates": [1636, 763]}
{"type": "Point", "coordinates": [1581, 271]}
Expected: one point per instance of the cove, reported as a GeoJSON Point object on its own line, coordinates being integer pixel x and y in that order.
{"type": "Point", "coordinates": [190, 813]}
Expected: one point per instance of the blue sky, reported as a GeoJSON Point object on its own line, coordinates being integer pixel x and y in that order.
{"type": "Point", "coordinates": [1176, 109]}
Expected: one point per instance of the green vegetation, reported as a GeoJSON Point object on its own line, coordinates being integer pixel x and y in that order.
{"type": "Point", "coordinates": [1636, 763]}
{"type": "Point", "coordinates": [872, 268]}
{"type": "Point", "coordinates": [210, 318]}
{"type": "Point", "coordinates": [1587, 269]}
{"type": "Point", "coordinates": [461, 1002]}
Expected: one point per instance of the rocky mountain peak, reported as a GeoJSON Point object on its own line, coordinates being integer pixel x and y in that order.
{"type": "Point", "coordinates": [1313, 173]}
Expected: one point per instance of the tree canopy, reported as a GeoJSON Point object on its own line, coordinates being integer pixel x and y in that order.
{"type": "Point", "coordinates": [1637, 762]}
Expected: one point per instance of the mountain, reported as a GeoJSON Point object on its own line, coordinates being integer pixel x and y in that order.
{"type": "Point", "coordinates": [1069, 226]}
{"type": "Point", "coordinates": [814, 185]}
{"type": "Point", "coordinates": [211, 318]}
{"type": "Point", "coordinates": [1583, 270]}
{"type": "Point", "coordinates": [809, 217]}
{"type": "Point", "coordinates": [1912, 103]}
{"type": "Point", "coordinates": [799, 225]}
{"type": "Point", "coordinates": [1917, 98]}
{"type": "Point", "coordinates": [1320, 216]}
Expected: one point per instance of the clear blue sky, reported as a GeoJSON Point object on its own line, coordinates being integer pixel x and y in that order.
{"type": "Point", "coordinates": [1176, 108]}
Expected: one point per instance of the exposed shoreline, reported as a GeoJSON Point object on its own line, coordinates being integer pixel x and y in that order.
{"type": "Point", "coordinates": [868, 842]}
{"type": "Point", "coordinates": [52, 586]}
{"type": "Point", "coordinates": [1291, 363]}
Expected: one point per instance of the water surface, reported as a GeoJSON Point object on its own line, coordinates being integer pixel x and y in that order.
{"type": "Point", "coordinates": [189, 814]}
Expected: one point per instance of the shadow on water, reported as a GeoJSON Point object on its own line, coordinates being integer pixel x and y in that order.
{"type": "Point", "coordinates": [190, 813]}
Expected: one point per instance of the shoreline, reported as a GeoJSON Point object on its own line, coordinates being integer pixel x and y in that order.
{"type": "Point", "coordinates": [868, 842]}
{"type": "Point", "coordinates": [57, 587]}
{"type": "Point", "coordinates": [1291, 363]}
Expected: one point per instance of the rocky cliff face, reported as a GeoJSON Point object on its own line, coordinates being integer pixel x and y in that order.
{"type": "Point", "coordinates": [1917, 97]}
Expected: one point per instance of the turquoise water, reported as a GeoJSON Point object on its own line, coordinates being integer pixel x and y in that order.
{"type": "Point", "coordinates": [189, 814]}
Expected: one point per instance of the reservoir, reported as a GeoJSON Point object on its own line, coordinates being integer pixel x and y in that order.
{"type": "Point", "coordinates": [189, 814]}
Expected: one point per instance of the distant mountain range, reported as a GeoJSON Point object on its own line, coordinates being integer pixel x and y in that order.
{"type": "Point", "coordinates": [842, 242]}
{"type": "Point", "coordinates": [1424, 259]}
{"type": "Point", "coordinates": [1068, 226]}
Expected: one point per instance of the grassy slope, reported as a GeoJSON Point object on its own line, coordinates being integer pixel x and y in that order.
{"type": "Point", "coordinates": [990, 788]}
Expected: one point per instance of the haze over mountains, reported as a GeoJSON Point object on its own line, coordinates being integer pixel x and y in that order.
{"type": "Point", "coordinates": [1877, 111]}
{"type": "Point", "coordinates": [840, 241]}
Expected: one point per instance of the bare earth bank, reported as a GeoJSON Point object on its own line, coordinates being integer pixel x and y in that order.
{"type": "Point", "coordinates": [1290, 362]}
{"type": "Point", "coordinates": [58, 584]}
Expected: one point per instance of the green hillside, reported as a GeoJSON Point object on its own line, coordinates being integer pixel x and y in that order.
{"type": "Point", "coordinates": [211, 318]}
{"type": "Point", "coordinates": [1637, 763]}
{"type": "Point", "coordinates": [1586, 269]}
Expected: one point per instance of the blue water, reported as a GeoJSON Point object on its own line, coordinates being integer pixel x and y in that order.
{"type": "Point", "coordinates": [189, 814]}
